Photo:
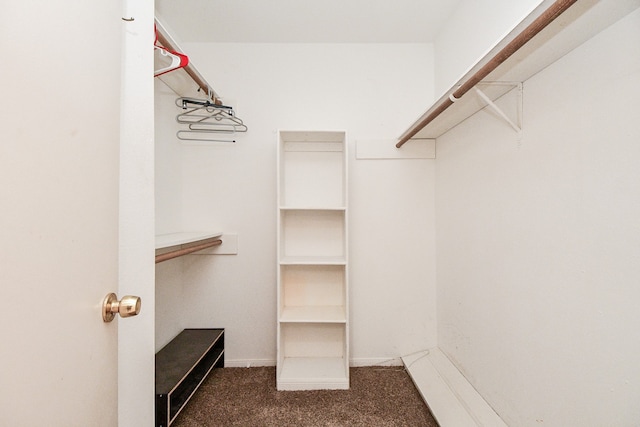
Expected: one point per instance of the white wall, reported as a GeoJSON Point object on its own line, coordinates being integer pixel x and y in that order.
{"type": "Point", "coordinates": [371, 91]}
{"type": "Point", "coordinates": [168, 206]}
{"type": "Point", "coordinates": [474, 28]}
{"type": "Point", "coordinates": [538, 243]}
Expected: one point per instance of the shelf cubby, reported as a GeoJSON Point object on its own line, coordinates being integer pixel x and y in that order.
{"type": "Point", "coordinates": [311, 293]}
{"type": "Point", "coordinates": [312, 169]}
{"type": "Point", "coordinates": [312, 233]}
{"type": "Point", "coordinates": [313, 356]}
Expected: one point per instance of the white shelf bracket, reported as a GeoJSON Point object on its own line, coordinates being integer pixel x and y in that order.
{"type": "Point", "coordinates": [516, 126]}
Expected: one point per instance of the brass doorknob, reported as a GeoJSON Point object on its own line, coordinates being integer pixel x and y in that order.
{"type": "Point", "coordinates": [128, 306]}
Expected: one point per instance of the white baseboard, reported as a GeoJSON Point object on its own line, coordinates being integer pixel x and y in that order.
{"type": "Point", "coordinates": [370, 361]}
{"type": "Point", "coordinates": [248, 363]}
{"type": "Point", "coordinates": [451, 398]}
{"type": "Point", "coordinates": [375, 361]}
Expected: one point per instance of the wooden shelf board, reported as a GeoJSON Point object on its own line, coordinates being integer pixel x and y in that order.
{"type": "Point", "coordinates": [312, 136]}
{"type": "Point", "coordinates": [313, 314]}
{"type": "Point", "coordinates": [164, 241]}
{"type": "Point", "coordinates": [309, 373]}
{"type": "Point", "coordinates": [186, 84]}
{"type": "Point", "coordinates": [465, 107]}
{"type": "Point", "coordinates": [313, 208]}
{"type": "Point", "coordinates": [176, 359]}
{"type": "Point", "coordinates": [181, 84]}
{"type": "Point", "coordinates": [449, 395]}
{"type": "Point", "coordinates": [312, 260]}
{"type": "Point", "coordinates": [580, 22]}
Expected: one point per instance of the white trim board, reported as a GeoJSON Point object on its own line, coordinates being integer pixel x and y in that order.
{"type": "Point", "coordinates": [248, 363]}
{"type": "Point", "coordinates": [385, 149]}
{"type": "Point", "coordinates": [451, 398]}
{"type": "Point", "coordinates": [229, 246]}
{"type": "Point", "coordinates": [353, 363]}
{"type": "Point", "coordinates": [375, 361]}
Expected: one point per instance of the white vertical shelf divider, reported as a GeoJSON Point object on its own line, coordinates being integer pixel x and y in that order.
{"type": "Point", "coordinates": [313, 292]}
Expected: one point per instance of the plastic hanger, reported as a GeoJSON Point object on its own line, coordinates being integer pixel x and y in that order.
{"type": "Point", "coordinates": [178, 60]}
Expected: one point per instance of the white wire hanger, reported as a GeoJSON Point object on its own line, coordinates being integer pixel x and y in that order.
{"type": "Point", "coordinates": [205, 119]}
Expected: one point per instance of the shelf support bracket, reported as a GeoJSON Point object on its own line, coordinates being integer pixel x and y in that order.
{"type": "Point", "coordinates": [516, 126]}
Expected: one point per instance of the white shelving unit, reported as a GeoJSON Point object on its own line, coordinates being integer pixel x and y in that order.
{"type": "Point", "coordinates": [313, 296]}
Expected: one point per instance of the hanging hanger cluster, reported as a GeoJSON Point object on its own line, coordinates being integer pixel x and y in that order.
{"type": "Point", "coordinates": [177, 59]}
{"type": "Point", "coordinates": [205, 121]}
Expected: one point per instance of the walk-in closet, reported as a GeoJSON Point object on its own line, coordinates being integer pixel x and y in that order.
{"type": "Point", "coordinates": [277, 212]}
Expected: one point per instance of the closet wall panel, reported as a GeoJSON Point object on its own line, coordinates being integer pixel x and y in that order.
{"type": "Point", "coordinates": [538, 242]}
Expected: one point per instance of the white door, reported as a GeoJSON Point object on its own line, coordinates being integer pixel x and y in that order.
{"type": "Point", "coordinates": [59, 215]}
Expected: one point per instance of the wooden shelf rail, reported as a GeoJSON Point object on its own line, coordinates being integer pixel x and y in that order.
{"type": "Point", "coordinates": [165, 40]}
{"type": "Point", "coordinates": [186, 251]}
{"type": "Point", "coordinates": [548, 16]}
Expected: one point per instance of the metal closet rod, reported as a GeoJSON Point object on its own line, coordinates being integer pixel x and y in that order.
{"type": "Point", "coordinates": [195, 76]}
{"type": "Point", "coordinates": [187, 102]}
{"type": "Point", "coordinates": [555, 10]}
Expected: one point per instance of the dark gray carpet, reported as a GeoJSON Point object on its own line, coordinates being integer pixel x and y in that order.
{"type": "Point", "coordinates": [247, 397]}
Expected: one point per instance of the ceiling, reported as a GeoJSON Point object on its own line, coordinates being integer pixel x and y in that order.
{"type": "Point", "coordinates": [306, 21]}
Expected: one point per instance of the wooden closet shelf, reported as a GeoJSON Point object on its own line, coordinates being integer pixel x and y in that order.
{"type": "Point", "coordinates": [552, 30]}
{"type": "Point", "coordinates": [185, 82]}
{"type": "Point", "coordinates": [173, 245]}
